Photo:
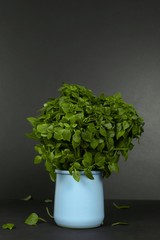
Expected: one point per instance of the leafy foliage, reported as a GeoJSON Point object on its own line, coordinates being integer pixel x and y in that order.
{"type": "Point", "coordinates": [78, 131]}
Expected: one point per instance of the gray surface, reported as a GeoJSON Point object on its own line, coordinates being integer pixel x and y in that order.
{"type": "Point", "coordinates": [108, 46]}
{"type": "Point", "coordinates": [142, 216]}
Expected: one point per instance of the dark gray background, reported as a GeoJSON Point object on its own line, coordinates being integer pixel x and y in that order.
{"type": "Point", "coordinates": [107, 46]}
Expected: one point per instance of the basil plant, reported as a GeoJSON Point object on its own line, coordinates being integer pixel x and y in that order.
{"type": "Point", "coordinates": [78, 131]}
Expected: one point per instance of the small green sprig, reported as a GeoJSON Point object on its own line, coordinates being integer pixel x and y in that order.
{"type": "Point", "coordinates": [51, 216]}
{"type": "Point", "coordinates": [48, 200]}
{"type": "Point", "coordinates": [121, 206]}
{"type": "Point", "coordinates": [28, 198]}
{"type": "Point", "coordinates": [120, 223]}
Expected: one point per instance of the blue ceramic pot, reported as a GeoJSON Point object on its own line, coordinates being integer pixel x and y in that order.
{"type": "Point", "coordinates": [78, 204]}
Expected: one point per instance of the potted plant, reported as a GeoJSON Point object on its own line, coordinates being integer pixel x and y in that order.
{"type": "Point", "coordinates": [81, 138]}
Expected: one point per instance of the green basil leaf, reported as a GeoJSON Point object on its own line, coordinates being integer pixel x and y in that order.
{"type": "Point", "coordinates": [91, 127]}
{"type": "Point", "coordinates": [76, 137]}
{"type": "Point", "coordinates": [76, 175]}
{"type": "Point", "coordinates": [87, 136]}
{"type": "Point", "coordinates": [33, 121]}
{"type": "Point", "coordinates": [66, 135]}
{"type": "Point", "coordinates": [94, 143]}
{"type": "Point", "coordinates": [65, 107]}
{"type": "Point", "coordinates": [113, 167]}
{"type": "Point", "coordinates": [58, 134]}
{"type": "Point", "coordinates": [37, 159]}
{"type": "Point", "coordinates": [33, 219]}
{"type": "Point", "coordinates": [125, 125]}
{"type": "Point", "coordinates": [125, 154]}
{"type": "Point", "coordinates": [52, 176]}
{"type": "Point", "coordinates": [42, 128]}
{"type": "Point", "coordinates": [108, 125]}
{"type": "Point", "coordinates": [87, 159]}
{"type": "Point", "coordinates": [99, 159]}
{"type": "Point", "coordinates": [9, 226]}
{"type": "Point", "coordinates": [120, 134]}
{"type": "Point", "coordinates": [77, 166]}
{"type": "Point", "coordinates": [88, 173]}
{"type": "Point", "coordinates": [121, 111]}
{"type": "Point", "coordinates": [103, 131]}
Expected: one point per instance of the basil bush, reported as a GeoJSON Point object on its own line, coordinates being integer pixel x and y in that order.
{"type": "Point", "coordinates": [79, 131]}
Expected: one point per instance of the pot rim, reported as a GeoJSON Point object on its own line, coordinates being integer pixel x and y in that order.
{"type": "Point", "coordinates": [66, 172]}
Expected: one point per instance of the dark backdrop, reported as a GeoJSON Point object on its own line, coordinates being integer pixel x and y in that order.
{"type": "Point", "coordinates": [107, 46]}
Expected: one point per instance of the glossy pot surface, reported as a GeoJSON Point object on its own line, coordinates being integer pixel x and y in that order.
{"type": "Point", "coordinates": [78, 204]}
